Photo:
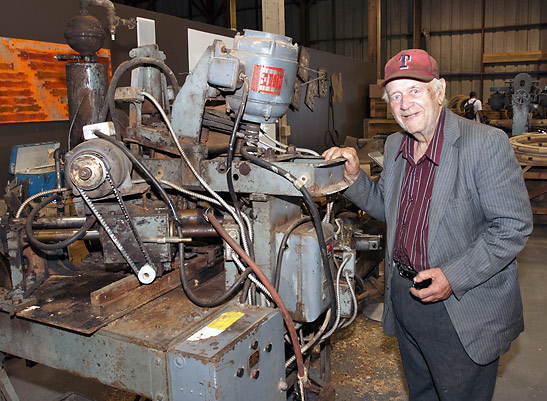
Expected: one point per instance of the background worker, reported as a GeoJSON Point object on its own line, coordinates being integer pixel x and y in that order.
{"type": "Point", "coordinates": [456, 209]}
{"type": "Point", "coordinates": [473, 108]}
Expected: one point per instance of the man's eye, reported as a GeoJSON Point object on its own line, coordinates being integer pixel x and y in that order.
{"type": "Point", "coordinates": [415, 91]}
{"type": "Point", "coordinates": [395, 97]}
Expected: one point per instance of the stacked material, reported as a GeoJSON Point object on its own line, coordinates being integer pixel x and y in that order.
{"type": "Point", "coordinates": [531, 148]}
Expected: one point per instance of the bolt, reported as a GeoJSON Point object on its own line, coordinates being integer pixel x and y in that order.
{"type": "Point", "coordinates": [179, 362]}
{"type": "Point", "coordinates": [254, 344]}
{"type": "Point", "coordinates": [255, 374]}
{"type": "Point", "coordinates": [283, 386]}
{"type": "Point", "coordinates": [159, 396]}
{"type": "Point", "coordinates": [240, 371]}
{"type": "Point", "coordinates": [157, 361]}
{"type": "Point", "coordinates": [85, 173]}
{"type": "Point", "coordinates": [268, 347]}
{"type": "Point", "coordinates": [244, 168]}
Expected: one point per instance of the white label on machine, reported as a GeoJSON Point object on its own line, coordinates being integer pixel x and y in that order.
{"type": "Point", "coordinates": [106, 128]}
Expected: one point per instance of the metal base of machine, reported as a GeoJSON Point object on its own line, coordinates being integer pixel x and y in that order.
{"type": "Point", "coordinates": [150, 351]}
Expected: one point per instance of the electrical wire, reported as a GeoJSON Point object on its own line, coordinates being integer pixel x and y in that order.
{"type": "Point", "coordinates": [276, 274]}
{"type": "Point", "coordinates": [38, 195]}
{"type": "Point", "coordinates": [338, 311]}
{"type": "Point", "coordinates": [110, 103]}
{"type": "Point", "coordinates": [282, 145]}
{"type": "Point", "coordinates": [313, 340]}
{"type": "Point", "coordinates": [252, 277]}
{"type": "Point", "coordinates": [326, 218]}
{"type": "Point", "coordinates": [194, 171]}
{"type": "Point", "coordinates": [189, 291]}
{"type": "Point", "coordinates": [231, 151]}
{"type": "Point", "coordinates": [200, 197]}
{"type": "Point", "coordinates": [354, 298]}
{"type": "Point", "coordinates": [308, 200]}
{"type": "Point", "coordinates": [60, 245]}
{"type": "Point", "coordinates": [277, 299]}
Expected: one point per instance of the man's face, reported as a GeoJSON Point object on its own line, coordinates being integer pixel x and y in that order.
{"type": "Point", "coordinates": [416, 105]}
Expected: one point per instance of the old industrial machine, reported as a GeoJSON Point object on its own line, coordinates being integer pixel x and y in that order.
{"type": "Point", "coordinates": [523, 96]}
{"type": "Point", "coordinates": [216, 260]}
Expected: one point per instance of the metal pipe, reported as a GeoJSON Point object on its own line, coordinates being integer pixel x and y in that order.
{"type": "Point", "coordinates": [57, 154]}
{"type": "Point", "coordinates": [59, 235]}
{"type": "Point", "coordinates": [193, 220]}
{"type": "Point", "coordinates": [54, 222]}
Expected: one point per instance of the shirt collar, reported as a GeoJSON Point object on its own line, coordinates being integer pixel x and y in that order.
{"type": "Point", "coordinates": [433, 152]}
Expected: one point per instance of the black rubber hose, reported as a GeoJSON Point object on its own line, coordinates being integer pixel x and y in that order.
{"type": "Point", "coordinates": [110, 103]}
{"type": "Point", "coordinates": [59, 245]}
{"type": "Point", "coordinates": [234, 288]}
{"type": "Point", "coordinates": [230, 158]}
{"type": "Point", "coordinates": [315, 217]}
{"type": "Point", "coordinates": [146, 172]}
{"type": "Point", "coordinates": [276, 274]}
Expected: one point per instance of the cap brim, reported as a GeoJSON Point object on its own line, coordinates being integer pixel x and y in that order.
{"type": "Point", "coordinates": [423, 77]}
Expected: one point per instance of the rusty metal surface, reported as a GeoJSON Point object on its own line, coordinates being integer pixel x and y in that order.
{"type": "Point", "coordinates": [87, 84]}
{"type": "Point", "coordinates": [64, 301]}
{"type": "Point", "coordinates": [160, 322]}
{"type": "Point", "coordinates": [167, 319]}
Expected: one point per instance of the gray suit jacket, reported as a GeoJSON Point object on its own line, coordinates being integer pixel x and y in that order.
{"type": "Point", "coordinates": [480, 218]}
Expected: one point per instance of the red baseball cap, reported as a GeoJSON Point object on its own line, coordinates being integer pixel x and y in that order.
{"type": "Point", "coordinates": [411, 64]}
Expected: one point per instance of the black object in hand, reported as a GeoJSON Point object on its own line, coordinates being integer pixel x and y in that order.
{"type": "Point", "coordinates": [409, 273]}
{"type": "Point", "coordinates": [422, 284]}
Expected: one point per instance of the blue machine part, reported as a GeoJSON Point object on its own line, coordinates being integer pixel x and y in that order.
{"type": "Point", "coordinates": [240, 355]}
{"type": "Point", "coordinates": [35, 162]}
{"type": "Point", "coordinates": [303, 284]}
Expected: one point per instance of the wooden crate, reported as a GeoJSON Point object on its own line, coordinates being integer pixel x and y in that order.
{"type": "Point", "coordinates": [378, 108]}
{"type": "Point", "coordinates": [375, 126]}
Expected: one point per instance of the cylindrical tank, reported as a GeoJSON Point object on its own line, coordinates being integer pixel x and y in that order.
{"type": "Point", "coordinates": [270, 63]}
{"type": "Point", "coordinates": [87, 84]}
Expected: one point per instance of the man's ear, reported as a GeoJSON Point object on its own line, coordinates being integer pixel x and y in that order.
{"type": "Point", "coordinates": [442, 91]}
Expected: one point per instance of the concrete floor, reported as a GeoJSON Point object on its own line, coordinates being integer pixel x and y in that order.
{"type": "Point", "coordinates": [367, 368]}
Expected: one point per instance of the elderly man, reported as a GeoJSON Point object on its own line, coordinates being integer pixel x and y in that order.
{"type": "Point", "coordinates": [457, 212]}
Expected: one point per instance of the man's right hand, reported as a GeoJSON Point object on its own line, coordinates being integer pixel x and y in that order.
{"type": "Point", "coordinates": [351, 167]}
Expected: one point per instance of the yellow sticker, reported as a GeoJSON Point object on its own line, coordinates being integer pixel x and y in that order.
{"type": "Point", "coordinates": [225, 320]}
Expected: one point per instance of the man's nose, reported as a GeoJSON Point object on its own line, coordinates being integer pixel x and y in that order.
{"type": "Point", "coordinates": [406, 102]}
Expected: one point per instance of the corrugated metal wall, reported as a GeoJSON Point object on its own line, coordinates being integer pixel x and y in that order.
{"type": "Point", "coordinates": [455, 37]}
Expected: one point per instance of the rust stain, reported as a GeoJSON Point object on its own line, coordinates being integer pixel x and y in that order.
{"type": "Point", "coordinates": [33, 82]}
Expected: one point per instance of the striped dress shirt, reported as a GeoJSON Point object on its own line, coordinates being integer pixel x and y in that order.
{"type": "Point", "coordinates": [413, 222]}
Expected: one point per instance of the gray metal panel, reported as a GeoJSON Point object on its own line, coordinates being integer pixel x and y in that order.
{"type": "Point", "coordinates": [321, 177]}
{"type": "Point", "coordinates": [208, 369]}
{"type": "Point", "coordinates": [111, 361]}
{"type": "Point", "coordinates": [302, 282]}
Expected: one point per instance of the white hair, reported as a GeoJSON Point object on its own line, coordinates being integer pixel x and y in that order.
{"type": "Point", "coordinates": [435, 82]}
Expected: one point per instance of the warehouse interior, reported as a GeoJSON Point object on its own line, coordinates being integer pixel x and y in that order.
{"type": "Point", "coordinates": [161, 162]}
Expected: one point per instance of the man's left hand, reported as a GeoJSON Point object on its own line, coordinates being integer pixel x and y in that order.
{"type": "Point", "coordinates": [438, 290]}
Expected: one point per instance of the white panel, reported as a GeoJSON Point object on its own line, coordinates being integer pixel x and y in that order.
{"type": "Point", "coordinates": [198, 41]}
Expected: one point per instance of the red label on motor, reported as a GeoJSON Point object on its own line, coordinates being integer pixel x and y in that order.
{"type": "Point", "coordinates": [267, 79]}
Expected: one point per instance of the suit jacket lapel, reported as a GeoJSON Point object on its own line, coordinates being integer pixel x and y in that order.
{"type": "Point", "coordinates": [445, 176]}
{"type": "Point", "coordinates": [393, 201]}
